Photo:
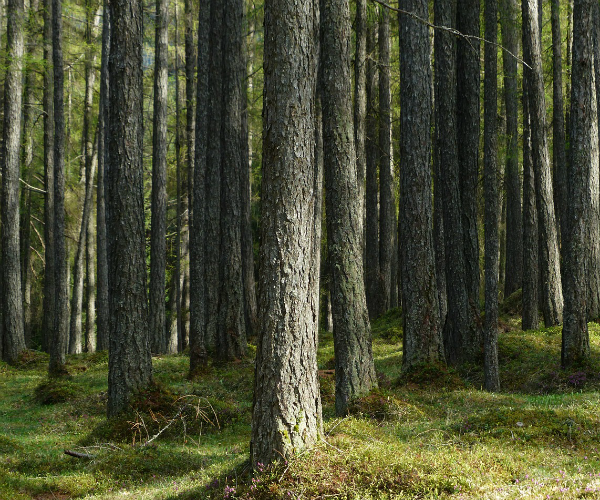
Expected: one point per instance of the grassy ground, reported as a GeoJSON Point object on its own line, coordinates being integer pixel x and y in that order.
{"type": "Point", "coordinates": [434, 434]}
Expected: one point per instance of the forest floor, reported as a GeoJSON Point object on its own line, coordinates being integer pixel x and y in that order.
{"type": "Point", "coordinates": [434, 434]}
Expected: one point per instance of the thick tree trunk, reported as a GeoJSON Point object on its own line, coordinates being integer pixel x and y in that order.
{"type": "Point", "coordinates": [514, 218]}
{"type": "Point", "coordinates": [467, 126]}
{"type": "Point", "coordinates": [101, 212]}
{"type": "Point", "coordinates": [422, 330]}
{"type": "Point", "coordinates": [231, 333]}
{"type": "Point", "coordinates": [286, 415]}
{"type": "Point", "coordinates": [354, 368]}
{"type": "Point", "coordinates": [492, 197]}
{"type": "Point", "coordinates": [130, 362]}
{"type": "Point", "coordinates": [386, 179]}
{"type": "Point", "coordinates": [584, 158]}
{"type": "Point", "coordinates": [552, 303]}
{"type": "Point", "coordinates": [158, 242]}
{"type": "Point", "coordinates": [49, 271]}
{"type": "Point", "coordinates": [372, 187]}
{"type": "Point", "coordinates": [12, 305]}
{"type": "Point", "coordinates": [198, 257]}
{"type": "Point", "coordinates": [60, 338]}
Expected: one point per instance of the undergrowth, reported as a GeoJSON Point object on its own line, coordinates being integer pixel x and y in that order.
{"type": "Point", "coordinates": [430, 433]}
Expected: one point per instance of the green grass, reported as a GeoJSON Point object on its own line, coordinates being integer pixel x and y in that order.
{"type": "Point", "coordinates": [433, 434]}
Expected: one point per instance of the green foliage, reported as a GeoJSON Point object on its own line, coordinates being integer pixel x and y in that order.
{"type": "Point", "coordinates": [388, 327]}
{"type": "Point", "coordinates": [56, 390]}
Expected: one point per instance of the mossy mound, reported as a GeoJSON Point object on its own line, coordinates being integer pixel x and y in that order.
{"type": "Point", "coordinates": [431, 375]}
{"type": "Point", "coordinates": [56, 390]}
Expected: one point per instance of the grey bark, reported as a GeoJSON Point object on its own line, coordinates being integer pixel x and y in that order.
{"type": "Point", "coordinates": [12, 296]}
{"type": "Point", "coordinates": [130, 362]}
{"type": "Point", "coordinates": [467, 127]}
{"type": "Point", "coordinates": [552, 299]}
{"type": "Point", "coordinates": [371, 182]}
{"type": "Point", "coordinates": [60, 338]}
{"type": "Point", "coordinates": [102, 330]}
{"type": "Point", "coordinates": [231, 333]}
{"type": "Point", "coordinates": [584, 158]}
{"type": "Point", "coordinates": [286, 416]}
{"type": "Point", "coordinates": [492, 198]}
{"type": "Point", "coordinates": [90, 287]}
{"type": "Point", "coordinates": [559, 153]}
{"type": "Point", "coordinates": [530, 318]}
{"type": "Point", "coordinates": [512, 183]}
{"type": "Point", "coordinates": [354, 368]}
{"type": "Point", "coordinates": [49, 283]}
{"type": "Point", "coordinates": [198, 257]}
{"type": "Point", "coordinates": [360, 103]}
{"type": "Point", "coordinates": [459, 335]}
{"type": "Point", "coordinates": [386, 182]}
{"type": "Point", "coordinates": [158, 242]}
{"type": "Point", "coordinates": [422, 329]}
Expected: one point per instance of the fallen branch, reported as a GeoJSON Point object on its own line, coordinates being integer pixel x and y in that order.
{"type": "Point", "coordinates": [76, 454]}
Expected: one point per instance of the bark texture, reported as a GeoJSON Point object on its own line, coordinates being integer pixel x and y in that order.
{"type": "Point", "coordinates": [286, 415]}
{"type": "Point", "coordinates": [130, 363]}
{"type": "Point", "coordinates": [422, 330]}
{"type": "Point", "coordinates": [584, 158]}
{"type": "Point", "coordinates": [354, 368]}
{"type": "Point", "coordinates": [552, 299]}
{"type": "Point", "coordinates": [360, 103]}
{"type": "Point", "coordinates": [12, 306]}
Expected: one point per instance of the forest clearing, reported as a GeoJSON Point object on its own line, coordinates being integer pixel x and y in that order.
{"type": "Point", "coordinates": [433, 435]}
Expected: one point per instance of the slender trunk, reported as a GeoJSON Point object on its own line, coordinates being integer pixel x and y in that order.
{"type": "Point", "coordinates": [12, 305]}
{"type": "Point", "coordinates": [492, 197]}
{"type": "Point", "coordinates": [386, 187]}
{"type": "Point", "coordinates": [90, 284]}
{"type": "Point", "coordinates": [101, 212]}
{"type": "Point", "coordinates": [552, 303]}
{"type": "Point", "coordinates": [372, 188]}
{"type": "Point", "coordinates": [423, 341]}
{"type": "Point", "coordinates": [584, 158]}
{"type": "Point", "coordinates": [49, 269]}
{"type": "Point", "coordinates": [514, 218]}
{"type": "Point", "coordinates": [360, 103]}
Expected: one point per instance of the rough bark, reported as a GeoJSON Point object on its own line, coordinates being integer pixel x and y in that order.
{"type": "Point", "coordinates": [158, 224]}
{"type": "Point", "coordinates": [467, 129]}
{"type": "Point", "coordinates": [459, 342]}
{"type": "Point", "coordinates": [49, 283]}
{"type": "Point", "coordinates": [130, 362]}
{"type": "Point", "coordinates": [386, 179]}
{"type": "Point", "coordinates": [371, 185]}
{"type": "Point", "coordinates": [101, 213]}
{"type": "Point", "coordinates": [512, 183]}
{"type": "Point", "coordinates": [552, 299]}
{"type": "Point", "coordinates": [422, 330]}
{"type": "Point", "coordinates": [360, 103]}
{"type": "Point", "coordinates": [12, 305]}
{"type": "Point", "coordinates": [60, 338]}
{"type": "Point", "coordinates": [286, 415]}
{"type": "Point", "coordinates": [584, 158]}
{"type": "Point", "coordinates": [354, 368]}
{"type": "Point", "coordinates": [231, 333]}
{"type": "Point", "coordinates": [198, 257]}
{"type": "Point", "coordinates": [492, 198]}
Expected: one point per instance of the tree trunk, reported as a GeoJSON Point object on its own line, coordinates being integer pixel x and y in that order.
{"type": "Point", "coordinates": [422, 330]}
{"type": "Point", "coordinates": [514, 218]}
{"type": "Point", "coordinates": [130, 362]}
{"type": "Point", "coordinates": [530, 318]}
{"type": "Point", "coordinates": [584, 158]}
{"type": "Point", "coordinates": [492, 197]}
{"type": "Point", "coordinates": [158, 242]}
{"type": "Point", "coordinates": [372, 187]}
{"type": "Point", "coordinates": [467, 127]}
{"type": "Point", "coordinates": [12, 305]}
{"type": "Point", "coordinates": [101, 211]}
{"type": "Point", "coordinates": [49, 269]}
{"type": "Point", "coordinates": [386, 186]}
{"type": "Point", "coordinates": [354, 368]}
{"type": "Point", "coordinates": [231, 336]}
{"type": "Point", "coordinates": [547, 235]}
{"type": "Point", "coordinates": [90, 279]}
{"type": "Point", "coordinates": [286, 415]}
{"type": "Point", "coordinates": [360, 104]}
{"type": "Point", "coordinates": [198, 256]}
